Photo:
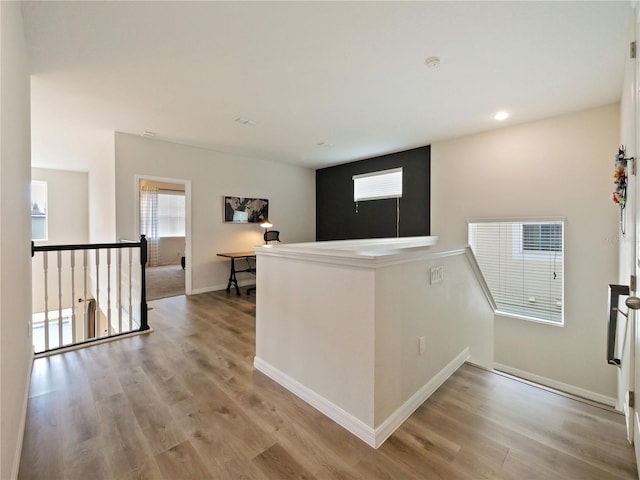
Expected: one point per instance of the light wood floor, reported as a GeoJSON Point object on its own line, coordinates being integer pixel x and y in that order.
{"type": "Point", "coordinates": [185, 403]}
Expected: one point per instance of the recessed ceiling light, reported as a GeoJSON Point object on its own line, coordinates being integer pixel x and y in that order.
{"type": "Point", "coordinates": [501, 115]}
{"type": "Point", "coordinates": [245, 121]}
{"type": "Point", "coordinates": [148, 134]}
{"type": "Point", "coordinates": [433, 62]}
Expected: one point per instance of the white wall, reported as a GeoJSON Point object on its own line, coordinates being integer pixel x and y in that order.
{"type": "Point", "coordinates": [68, 223]}
{"type": "Point", "coordinates": [171, 249]}
{"type": "Point", "coordinates": [15, 249]}
{"type": "Point", "coordinates": [561, 166]}
{"type": "Point", "coordinates": [68, 214]}
{"type": "Point", "coordinates": [342, 332]}
{"type": "Point", "coordinates": [102, 192]}
{"type": "Point", "coordinates": [452, 315]}
{"type": "Point", "coordinates": [290, 190]}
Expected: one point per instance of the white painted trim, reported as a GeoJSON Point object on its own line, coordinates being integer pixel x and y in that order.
{"type": "Point", "coordinates": [222, 286]}
{"type": "Point", "coordinates": [80, 346]}
{"type": "Point", "coordinates": [636, 422]}
{"type": "Point", "coordinates": [372, 437]}
{"type": "Point", "coordinates": [516, 219]}
{"type": "Point", "coordinates": [361, 430]}
{"type": "Point", "coordinates": [473, 262]}
{"type": "Point", "coordinates": [563, 387]}
{"type": "Point", "coordinates": [359, 255]}
{"type": "Point", "coordinates": [398, 417]}
{"type": "Point", "coordinates": [23, 422]}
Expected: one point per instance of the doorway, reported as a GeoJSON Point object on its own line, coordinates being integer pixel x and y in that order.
{"type": "Point", "coordinates": [163, 216]}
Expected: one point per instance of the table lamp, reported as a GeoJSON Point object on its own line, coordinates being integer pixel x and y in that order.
{"type": "Point", "coordinates": [266, 225]}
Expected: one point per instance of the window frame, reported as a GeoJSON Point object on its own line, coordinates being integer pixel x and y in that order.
{"type": "Point", "coordinates": [530, 256]}
{"type": "Point", "coordinates": [46, 209]}
{"type": "Point", "coordinates": [379, 173]}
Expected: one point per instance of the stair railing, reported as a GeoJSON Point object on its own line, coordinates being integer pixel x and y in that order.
{"type": "Point", "coordinates": [80, 272]}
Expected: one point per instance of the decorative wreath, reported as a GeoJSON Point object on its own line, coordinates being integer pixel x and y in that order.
{"type": "Point", "coordinates": [620, 178]}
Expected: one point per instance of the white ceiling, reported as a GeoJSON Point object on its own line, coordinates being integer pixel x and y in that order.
{"type": "Point", "coordinates": [350, 74]}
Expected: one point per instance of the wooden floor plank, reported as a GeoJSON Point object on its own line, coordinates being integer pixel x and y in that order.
{"type": "Point", "coordinates": [185, 403]}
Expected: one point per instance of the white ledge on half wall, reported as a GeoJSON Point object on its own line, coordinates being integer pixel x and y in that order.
{"type": "Point", "coordinates": [370, 251]}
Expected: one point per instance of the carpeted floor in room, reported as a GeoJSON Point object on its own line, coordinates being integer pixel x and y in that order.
{"type": "Point", "coordinates": [164, 281]}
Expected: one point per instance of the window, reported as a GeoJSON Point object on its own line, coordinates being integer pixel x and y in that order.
{"type": "Point", "coordinates": [542, 237]}
{"type": "Point", "coordinates": [378, 185]}
{"type": "Point", "coordinates": [171, 213]}
{"type": "Point", "coordinates": [523, 264]}
{"type": "Point", "coordinates": [39, 230]}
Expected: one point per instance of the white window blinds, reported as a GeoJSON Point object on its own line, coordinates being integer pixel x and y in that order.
{"type": "Point", "coordinates": [523, 264]}
{"type": "Point", "coordinates": [378, 185]}
{"type": "Point", "coordinates": [171, 215]}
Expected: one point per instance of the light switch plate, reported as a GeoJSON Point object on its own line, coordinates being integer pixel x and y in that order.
{"type": "Point", "coordinates": [437, 274]}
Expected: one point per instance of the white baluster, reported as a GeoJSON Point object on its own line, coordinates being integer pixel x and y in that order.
{"type": "Point", "coordinates": [60, 336]}
{"type": "Point", "coordinates": [85, 323]}
{"type": "Point", "coordinates": [108, 332]}
{"type": "Point", "coordinates": [119, 290]}
{"type": "Point", "coordinates": [97, 317]}
{"type": "Point", "coordinates": [130, 290]}
{"type": "Point", "coordinates": [72, 261]}
{"type": "Point", "coordinates": [45, 267]}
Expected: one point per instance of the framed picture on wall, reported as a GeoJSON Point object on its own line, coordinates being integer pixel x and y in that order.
{"type": "Point", "coordinates": [245, 210]}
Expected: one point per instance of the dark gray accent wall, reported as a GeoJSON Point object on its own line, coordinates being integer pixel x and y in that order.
{"type": "Point", "coordinates": [336, 217]}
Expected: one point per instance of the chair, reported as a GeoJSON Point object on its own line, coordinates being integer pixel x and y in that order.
{"type": "Point", "coordinates": [271, 236]}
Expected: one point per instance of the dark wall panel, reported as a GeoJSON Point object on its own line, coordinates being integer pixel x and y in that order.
{"type": "Point", "coordinates": [336, 217]}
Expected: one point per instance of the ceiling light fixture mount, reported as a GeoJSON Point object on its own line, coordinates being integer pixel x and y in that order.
{"type": "Point", "coordinates": [433, 62]}
{"type": "Point", "coordinates": [501, 115]}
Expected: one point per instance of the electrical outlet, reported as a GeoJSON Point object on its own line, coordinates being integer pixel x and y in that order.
{"type": "Point", "coordinates": [422, 345]}
{"type": "Point", "coordinates": [437, 274]}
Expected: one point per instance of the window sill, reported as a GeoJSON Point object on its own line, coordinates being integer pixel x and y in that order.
{"type": "Point", "coordinates": [498, 313]}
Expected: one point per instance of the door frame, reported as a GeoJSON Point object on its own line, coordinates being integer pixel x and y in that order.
{"type": "Point", "coordinates": [188, 285]}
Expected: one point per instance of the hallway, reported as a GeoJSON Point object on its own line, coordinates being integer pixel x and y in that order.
{"type": "Point", "coordinates": [184, 402]}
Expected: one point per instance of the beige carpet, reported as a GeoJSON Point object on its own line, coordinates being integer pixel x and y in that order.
{"type": "Point", "coordinates": [164, 281]}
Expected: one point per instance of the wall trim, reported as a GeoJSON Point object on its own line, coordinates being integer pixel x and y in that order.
{"type": "Point", "coordinates": [372, 437]}
{"type": "Point", "coordinates": [23, 421]}
{"type": "Point", "coordinates": [473, 263]}
{"type": "Point", "coordinates": [563, 387]}
{"type": "Point", "coordinates": [222, 286]}
{"type": "Point", "coordinates": [360, 429]}
{"type": "Point", "coordinates": [398, 417]}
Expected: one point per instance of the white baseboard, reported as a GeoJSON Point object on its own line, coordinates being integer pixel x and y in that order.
{"type": "Point", "coordinates": [216, 288]}
{"type": "Point", "coordinates": [398, 417]}
{"type": "Point", "coordinates": [563, 387]}
{"type": "Point", "coordinates": [372, 437]}
{"type": "Point", "coordinates": [360, 429]}
{"type": "Point", "coordinates": [636, 429]}
{"type": "Point", "coordinates": [23, 422]}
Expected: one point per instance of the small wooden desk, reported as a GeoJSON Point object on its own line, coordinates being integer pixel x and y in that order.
{"type": "Point", "coordinates": [233, 256]}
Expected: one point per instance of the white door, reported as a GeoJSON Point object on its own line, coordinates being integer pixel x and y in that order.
{"type": "Point", "coordinates": [629, 265]}
{"type": "Point", "coordinates": [633, 426]}
{"type": "Point", "coordinates": [633, 217]}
